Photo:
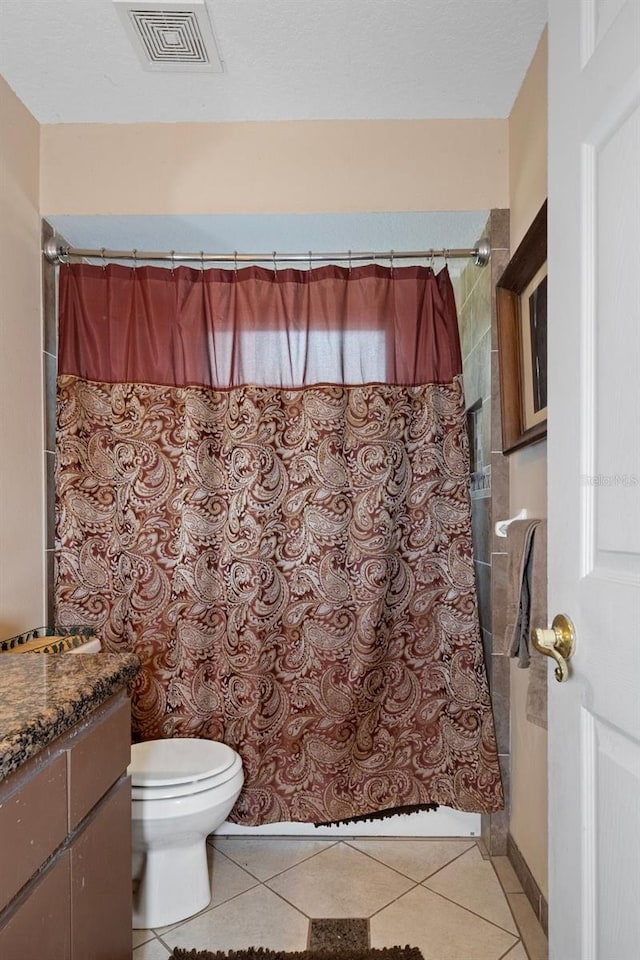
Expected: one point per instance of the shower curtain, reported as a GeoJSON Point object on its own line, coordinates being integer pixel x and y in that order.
{"type": "Point", "coordinates": [262, 489]}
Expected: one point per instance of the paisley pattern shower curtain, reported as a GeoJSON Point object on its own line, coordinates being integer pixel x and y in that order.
{"type": "Point", "coordinates": [262, 490]}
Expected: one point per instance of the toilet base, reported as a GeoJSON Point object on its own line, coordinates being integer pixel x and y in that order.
{"type": "Point", "coordinates": [173, 885]}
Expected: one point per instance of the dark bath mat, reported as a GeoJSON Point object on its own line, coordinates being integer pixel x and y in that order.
{"type": "Point", "coordinates": [258, 953]}
{"type": "Point", "coordinates": [381, 814]}
{"type": "Point", "coordinates": [332, 935]}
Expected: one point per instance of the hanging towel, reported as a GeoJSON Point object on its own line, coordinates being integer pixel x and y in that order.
{"type": "Point", "coordinates": [527, 608]}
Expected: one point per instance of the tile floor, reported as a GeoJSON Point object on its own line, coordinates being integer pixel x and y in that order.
{"type": "Point", "coordinates": [442, 896]}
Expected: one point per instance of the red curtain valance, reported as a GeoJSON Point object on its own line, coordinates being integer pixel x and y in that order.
{"type": "Point", "coordinates": [202, 328]}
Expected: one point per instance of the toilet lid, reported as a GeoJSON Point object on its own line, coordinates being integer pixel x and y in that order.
{"type": "Point", "coordinates": [158, 763]}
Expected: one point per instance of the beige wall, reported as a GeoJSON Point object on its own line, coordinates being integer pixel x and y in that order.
{"type": "Point", "coordinates": [21, 425]}
{"type": "Point", "coordinates": [287, 167]}
{"type": "Point", "coordinates": [528, 146]}
{"type": "Point", "coordinates": [528, 471]}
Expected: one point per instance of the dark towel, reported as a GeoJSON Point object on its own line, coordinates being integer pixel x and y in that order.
{"type": "Point", "coordinates": [527, 607]}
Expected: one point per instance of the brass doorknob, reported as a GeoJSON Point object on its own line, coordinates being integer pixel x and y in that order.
{"type": "Point", "coordinates": [559, 642]}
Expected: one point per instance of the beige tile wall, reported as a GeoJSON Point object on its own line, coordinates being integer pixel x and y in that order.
{"type": "Point", "coordinates": [475, 295]}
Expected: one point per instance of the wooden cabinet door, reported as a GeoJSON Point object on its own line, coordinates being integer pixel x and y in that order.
{"type": "Point", "coordinates": [39, 925]}
{"type": "Point", "coordinates": [98, 756]}
{"type": "Point", "coordinates": [101, 901]}
{"type": "Point", "coordinates": [33, 822]}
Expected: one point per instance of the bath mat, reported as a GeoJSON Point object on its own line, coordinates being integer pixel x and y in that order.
{"type": "Point", "coordinates": [258, 953]}
{"type": "Point", "coordinates": [334, 934]}
{"type": "Point", "coordinates": [381, 814]}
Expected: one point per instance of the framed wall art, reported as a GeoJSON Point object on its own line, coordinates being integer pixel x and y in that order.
{"type": "Point", "coordinates": [521, 306]}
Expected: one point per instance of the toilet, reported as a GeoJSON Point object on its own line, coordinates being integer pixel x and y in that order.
{"type": "Point", "coordinates": [181, 791]}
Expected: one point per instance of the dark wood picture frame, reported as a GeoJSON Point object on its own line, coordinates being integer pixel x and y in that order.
{"type": "Point", "coordinates": [527, 261]}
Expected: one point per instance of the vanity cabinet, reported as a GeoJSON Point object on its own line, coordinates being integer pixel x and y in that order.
{"type": "Point", "coordinates": [65, 844]}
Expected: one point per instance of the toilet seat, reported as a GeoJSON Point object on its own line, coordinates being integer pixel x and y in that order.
{"type": "Point", "coordinates": [183, 766]}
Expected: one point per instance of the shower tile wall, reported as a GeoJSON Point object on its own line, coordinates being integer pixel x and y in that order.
{"type": "Point", "coordinates": [496, 828]}
{"type": "Point", "coordinates": [474, 314]}
{"type": "Point", "coordinates": [475, 296]}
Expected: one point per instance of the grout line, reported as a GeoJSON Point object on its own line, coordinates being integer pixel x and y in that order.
{"type": "Point", "coordinates": [399, 872]}
{"type": "Point", "coordinates": [476, 345]}
{"type": "Point", "coordinates": [506, 897]}
{"type": "Point", "coordinates": [416, 884]}
{"type": "Point", "coordinates": [520, 931]}
{"type": "Point", "coordinates": [238, 865]}
{"type": "Point", "coordinates": [339, 843]}
{"type": "Point", "coordinates": [329, 844]}
{"type": "Point", "coordinates": [142, 942]}
{"type": "Point", "coordinates": [166, 945]}
{"type": "Point", "coordinates": [516, 936]}
{"type": "Point", "coordinates": [505, 956]}
{"type": "Point", "coordinates": [449, 862]}
{"type": "Point", "coordinates": [293, 906]}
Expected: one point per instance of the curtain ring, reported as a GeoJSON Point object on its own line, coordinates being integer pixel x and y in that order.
{"type": "Point", "coordinates": [104, 259]}
{"type": "Point", "coordinates": [202, 261]}
{"type": "Point", "coordinates": [173, 261]}
{"type": "Point", "coordinates": [310, 267]}
{"type": "Point", "coordinates": [391, 258]}
{"type": "Point", "coordinates": [350, 263]}
{"type": "Point", "coordinates": [235, 260]}
{"type": "Point", "coordinates": [275, 267]}
{"type": "Point", "coordinates": [432, 258]}
{"type": "Point", "coordinates": [135, 259]}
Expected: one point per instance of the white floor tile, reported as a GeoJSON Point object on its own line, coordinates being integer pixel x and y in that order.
{"type": "Point", "coordinates": [141, 936]}
{"type": "Point", "coordinates": [341, 882]}
{"type": "Point", "coordinates": [472, 882]}
{"type": "Point", "coordinates": [227, 878]}
{"type": "Point", "coordinates": [152, 950]}
{"type": "Point", "coordinates": [264, 858]}
{"type": "Point", "coordinates": [257, 918]}
{"type": "Point", "coordinates": [458, 912]}
{"type": "Point", "coordinates": [518, 953]}
{"type": "Point", "coordinates": [506, 875]}
{"type": "Point", "coordinates": [440, 929]}
{"type": "Point", "coordinates": [531, 932]}
{"type": "Point", "coordinates": [416, 859]}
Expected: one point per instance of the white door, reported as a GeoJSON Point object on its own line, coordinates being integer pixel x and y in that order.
{"type": "Point", "coordinates": [594, 476]}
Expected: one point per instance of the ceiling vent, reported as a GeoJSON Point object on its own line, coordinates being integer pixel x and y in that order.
{"type": "Point", "coordinates": [174, 36]}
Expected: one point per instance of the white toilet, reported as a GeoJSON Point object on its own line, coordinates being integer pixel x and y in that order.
{"type": "Point", "coordinates": [181, 790]}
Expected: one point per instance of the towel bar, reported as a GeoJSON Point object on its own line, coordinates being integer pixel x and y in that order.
{"type": "Point", "coordinates": [501, 525]}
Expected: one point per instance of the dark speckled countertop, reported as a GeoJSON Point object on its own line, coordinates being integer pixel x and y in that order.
{"type": "Point", "coordinates": [43, 695]}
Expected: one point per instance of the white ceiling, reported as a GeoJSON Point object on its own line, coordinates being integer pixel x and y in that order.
{"type": "Point", "coordinates": [71, 61]}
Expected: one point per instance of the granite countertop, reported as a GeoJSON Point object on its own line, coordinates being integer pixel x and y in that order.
{"type": "Point", "coordinates": [43, 695]}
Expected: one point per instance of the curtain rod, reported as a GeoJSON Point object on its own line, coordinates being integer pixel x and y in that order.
{"type": "Point", "coordinates": [57, 252]}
